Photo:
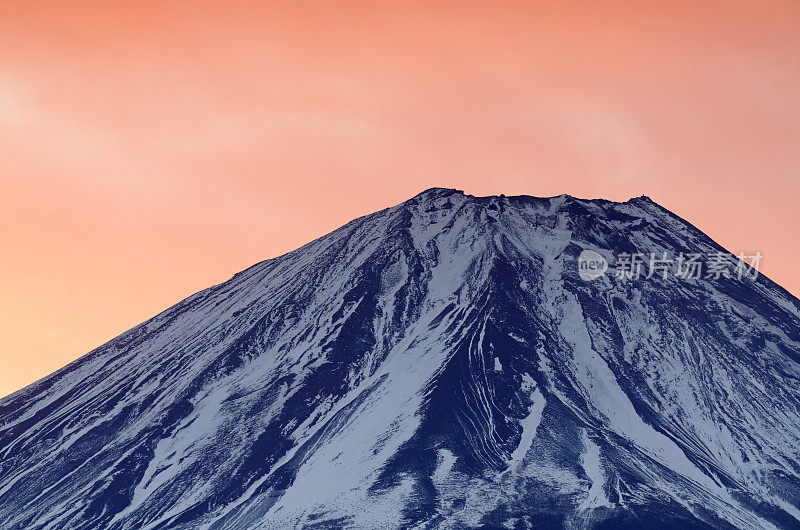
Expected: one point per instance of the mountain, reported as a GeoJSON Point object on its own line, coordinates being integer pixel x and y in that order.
{"type": "Point", "coordinates": [438, 364]}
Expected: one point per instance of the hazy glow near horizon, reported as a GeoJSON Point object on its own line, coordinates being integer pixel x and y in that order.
{"type": "Point", "coordinates": [151, 149]}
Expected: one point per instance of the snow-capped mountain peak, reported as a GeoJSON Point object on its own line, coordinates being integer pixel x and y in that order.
{"type": "Point", "coordinates": [440, 363]}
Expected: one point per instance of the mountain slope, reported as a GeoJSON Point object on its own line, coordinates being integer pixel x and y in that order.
{"type": "Point", "coordinates": [439, 363]}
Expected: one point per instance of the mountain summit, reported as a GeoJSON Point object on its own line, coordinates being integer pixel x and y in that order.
{"type": "Point", "coordinates": [438, 364]}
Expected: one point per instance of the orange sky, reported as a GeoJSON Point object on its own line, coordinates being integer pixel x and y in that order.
{"type": "Point", "coordinates": [151, 149]}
